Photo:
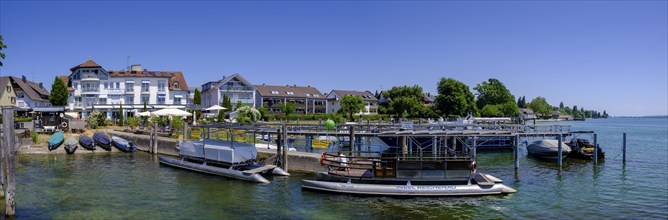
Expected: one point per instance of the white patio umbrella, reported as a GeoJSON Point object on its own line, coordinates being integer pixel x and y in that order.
{"type": "Point", "coordinates": [146, 114]}
{"type": "Point", "coordinates": [171, 112]}
{"type": "Point", "coordinates": [215, 108]}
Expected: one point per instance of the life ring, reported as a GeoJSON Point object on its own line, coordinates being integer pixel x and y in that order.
{"type": "Point", "coordinates": [64, 124]}
{"type": "Point", "coordinates": [322, 159]}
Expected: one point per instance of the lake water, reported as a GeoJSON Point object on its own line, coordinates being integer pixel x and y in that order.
{"type": "Point", "coordinates": [127, 186]}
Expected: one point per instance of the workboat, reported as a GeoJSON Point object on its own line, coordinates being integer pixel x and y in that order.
{"type": "Point", "coordinates": [86, 142]}
{"type": "Point", "coordinates": [548, 149]}
{"type": "Point", "coordinates": [122, 144]}
{"type": "Point", "coordinates": [71, 145]}
{"type": "Point", "coordinates": [417, 174]}
{"type": "Point", "coordinates": [224, 158]}
{"type": "Point", "coordinates": [582, 149]}
{"type": "Point", "coordinates": [102, 140]}
{"type": "Point", "coordinates": [56, 140]}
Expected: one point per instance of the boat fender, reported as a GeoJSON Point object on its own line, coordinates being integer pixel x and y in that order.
{"type": "Point", "coordinates": [322, 159]}
{"type": "Point", "coordinates": [473, 167]}
{"type": "Point", "coordinates": [64, 124]}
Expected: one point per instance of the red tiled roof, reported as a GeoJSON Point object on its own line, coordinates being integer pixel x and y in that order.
{"type": "Point", "coordinates": [65, 79]}
{"type": "Point", "coordinates": [88, 63]}
{"type": "Point", "coordinates": [174, 76]}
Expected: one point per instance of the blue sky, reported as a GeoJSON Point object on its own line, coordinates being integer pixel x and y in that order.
{"type": "Point", "coordinates": [602, 55]}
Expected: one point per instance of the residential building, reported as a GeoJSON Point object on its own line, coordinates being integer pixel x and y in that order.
{"type": "Point", "coordinates": [429, 99]}
{"type": "Point", "coordinates": [29, 94]}
{"type": "Point", "coordinates": [527, 114]}
{"type": "Point", "coordinates": [307, 99]}
{"type": "Point", "coordinates": [93, 87]}
{"type": "Point", "coordinates": [335, 96]}
{"type": "Point", "coordinates": [235, 87]}
{"type": "Point", "coordinates": [7, 94]}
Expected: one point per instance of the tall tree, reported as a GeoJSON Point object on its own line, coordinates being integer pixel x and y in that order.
{"type": "Point", "coordinates": [351, 104]}
{"type": "Point", "coordinates": [492, 92]}
{"type": "Point", "coordinates": [540, 105]}
{"type": "Point", "coordinates": [59, 93]}
{"type": "Point", "coordinates": [404, 105]}
{"type": "Point", "coordinates": [197, 99]}
{"type": "Point", "coordinates": [227, 103]}
{"type": "Point", "coordinates": [2, 46]}
{"type": "Point", "coordinates": [561, 105]}
{"type": "Point", "coordinates": [239, 105]}
{"type": "Point", "coordinates": [454, 98]}
{"type": "Point", "coordinates": [402, 96]}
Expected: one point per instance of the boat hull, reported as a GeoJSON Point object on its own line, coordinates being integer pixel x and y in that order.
{"type": "Point", "coordinates": [86, 142]}
{"type": "Point", "coordinates": [200, 167]}
{"type": "Point", "coordinates": [548, 149]}
{"type": "Point", "coordinates": [123, 145]}
{"type": "Point", "coordinates": [407, 189]}
{"type": "Point", "coordinates": [56, 140]}
{"type": "Point", "coordinates": [102, 140]}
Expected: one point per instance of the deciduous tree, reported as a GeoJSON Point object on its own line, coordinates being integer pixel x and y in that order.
{"type": "Point", "coordinates": [454, 98]}
{"type": "Point", "coordinates": [352, 104]}
{"type": "Point", "coordinates": [492, 92]}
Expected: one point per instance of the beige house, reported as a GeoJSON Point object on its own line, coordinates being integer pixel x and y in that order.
{"type": "Point", "coordinates": [7, 94]}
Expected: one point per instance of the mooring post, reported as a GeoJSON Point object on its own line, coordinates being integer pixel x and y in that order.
{"type": "Point", "coordinates": [155, 138]}
{"type": "Point", "coordinates": [352, 140]}
{"type": "Point", "coordinates": [517, 152]}
{"type": "Point", "coordinates": [624, 148]}
{"type": "Point", "coordinates": [595, 149]}
{"type": "Point", "coordinates": [285, 147]}
{"type": "Point", "coordinates": [9, 151]}
{"type": "Point", "coordinates": [475, 143]}
{"type": "Point", "coordinates": [279, 143]}
{"type": "Point", "coordinates": [559, 153]}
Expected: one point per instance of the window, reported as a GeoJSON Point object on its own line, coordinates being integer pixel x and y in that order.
{"type": "Point", "coordinates": [308, 95]}
{"type": "Point", "coordinates": [102, 101]}
{"type": "Point", "coordinates": [176, 85]}
{"type": "Point", "coordinates": [129, 86]}
{"type": "Point", "coordinates": [316, 95]}
{"type": "Point", "coordinates": [144, 99]}
{"type": "Point", "coordinates": [144, 86]}
{"type": "Point", "coordinates": [106, 85]}
{"type": "Point", "coordinates": [161, 86]}
{"type": "Point", "coordinates": [177, 100]}
{"type": "Point", "coordinates": [130, 99]}
{"type": "Point", "coordinates": [9, 88]}
{"type": "Point", "coordinates": [118, 85]}
{"type": "Point", "coordinates": [20, 95]}
{"type": "Point", "coordinates": [75, 85]}
{"type": "Point", "coordinates": [13, 100]}
{"type": "Point", "coordinates": [290, 93]}
{"type": "Point", "coordinates": [161, 99]}
{"type": "Point", "coordinates": [274, 92]}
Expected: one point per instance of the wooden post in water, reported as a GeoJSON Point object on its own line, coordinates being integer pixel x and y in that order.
{"type": "Point", "coordinates": [9, 151]}
{"type": "Point", "coordinates": [595, 149]}
{"type": "Point", "coordinates": [279, 143]}
{"type": "Point", "coordinates": [559, 153]}
{"type": "Point", "coordinates": [517, 152]}
{"type": "Point", "coordinates": [624, 148]}
{"type": "Point", "coordinates": [352, 140]}
{"type": "Point", "coordinates": [285, 147]}
{"type": "Point", "coordinates": [154, 146]}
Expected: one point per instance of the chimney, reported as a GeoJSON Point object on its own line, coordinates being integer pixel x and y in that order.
{"type": "Point", "coordinates": [294, 85]}
{"type": "Point", "coordinates": [23, 78]}
{"type": "Point", "coordinates": [309, 86]}
{"type": "Point", "coordinates": [41, 86]}
{"type": "Point", "coordinates": [135, 68]}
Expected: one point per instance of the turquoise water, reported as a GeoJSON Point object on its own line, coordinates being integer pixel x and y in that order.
{"type": "Point", "coordinates": [126, 186]}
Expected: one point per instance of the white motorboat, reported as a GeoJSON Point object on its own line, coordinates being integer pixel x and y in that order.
{"type": "Point", "coordinates": [548, 149]}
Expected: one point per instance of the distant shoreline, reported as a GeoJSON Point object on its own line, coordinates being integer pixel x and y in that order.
{"type": "Point", "coordinates": [649, 116]}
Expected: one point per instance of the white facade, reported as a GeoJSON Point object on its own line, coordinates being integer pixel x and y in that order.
{"type": "Point", "coordinates": [105, 91]}
{"type": "Point", "coordinates": [335, 96]}
{"type": "Point", "coordinates": [235, 87]}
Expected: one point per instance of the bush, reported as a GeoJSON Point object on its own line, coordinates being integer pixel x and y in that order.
{"type": "Point", "coordinates": [95, 119]}
{"type": "Point", "coordinates": [133, 122]}
{"type": "Point", "coordinates": [177, 123]}
{"type": "Point", "coordinates": [34, 137]}
{"type": "Point", "coordinates": [27, 119]}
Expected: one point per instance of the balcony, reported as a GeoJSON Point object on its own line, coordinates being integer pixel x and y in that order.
{"type": "Point", "coordinates": [90, 91]}
{"type": "Point", "coordinates": [116, 92]}
{"type": "Point", "coordinates": [129, 90]}
{"type": "Point", "coordinates": [89, 78]}
{"type": "Point", "coordinates": [237, 88]}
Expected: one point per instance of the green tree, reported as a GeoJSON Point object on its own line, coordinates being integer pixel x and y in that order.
{"type": "Point", "coordinates": [561, 105]}
{"type": "Point", "coordinates": [351, 104]}
{"type": "Point", "coordinates": [490, 111]}
{"type": "Point", "coordinates": [540, 105]}
{"type": "Point", "coordinates": [122, 116]}
{"type": "Point", "coordinates": [264, 112]}
{"type": "Point", "coordinates": [403, 91]}
{"type": "Point", "coordinates": [509, 109]}
{"type": "Point", "coordinates": [227, 104]}
{"type": "Point", "coordinates": [239, 104]}
{"type": "Point", "coordinates": [2, 46]}
{"type": "Point", "coordinates": [492, 92]}
{"type": "Point", "coordinates": [59, 93]}
{"type": "Point", "coordinates": [133, 122]}
{"type": "Point", "coordinates": [197, 99]}
{"type": "Point", "coordinates": [454, 98]}
{"type": "Point", "coordinates": [404, 105]}
{"type": "Point", "coordinates": [605, 114]}
{"type": "Point", "coordinates": [247, 115]}
{"type": "Point", "coordinates": [287, 108]}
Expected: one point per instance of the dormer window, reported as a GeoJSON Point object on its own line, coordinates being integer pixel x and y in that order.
{"type": "Point", "coordinates": [175, 85]}
{"type": "Point", "coordinates": [274, 92]}
{"type": "Point", "coordinates": [290, 93]}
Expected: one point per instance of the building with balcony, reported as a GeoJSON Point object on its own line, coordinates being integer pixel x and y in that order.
{"type": "Point", "coordinates": [234, 86]}
{"type": "Point", "coordinates": [307, 99]}
{"type": "Point", "coordinates": [93, 87]}
{"type": "Point", "coordinates": [335, 96]}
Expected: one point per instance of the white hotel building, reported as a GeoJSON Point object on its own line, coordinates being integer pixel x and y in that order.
{"type": "Point", "coordinates": [94, 88]}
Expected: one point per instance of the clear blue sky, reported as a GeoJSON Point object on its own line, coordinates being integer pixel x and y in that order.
{"type": "Point", "coordinates": [602, 55]}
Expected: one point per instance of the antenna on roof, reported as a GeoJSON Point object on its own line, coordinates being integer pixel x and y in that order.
{"type": "Point", "coordinates": [90, 57]}
{"type": "Point", "coordinates": [128, 63]}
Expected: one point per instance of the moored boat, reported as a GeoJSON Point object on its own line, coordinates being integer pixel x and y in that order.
{"type": "Point", "coordinates": [403, 174]}
{"type": "Point", "coordinates": [582, 149]}
{"type": "Point", "coordinates": [122, 144]}
{"type": "Point", "coordinates": [56, 140]}
{"type": "Point", "coordinates": [71, 145]}
{"type": "Point", "coordinates": [86, 142]}
{"type": "Point", "coordinates": [224, 158]}
{"type": "Point", "coordinates": [548, 149]}
{"type": "Point", "coordinates": [101, 139]}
